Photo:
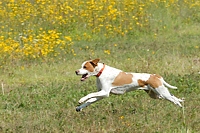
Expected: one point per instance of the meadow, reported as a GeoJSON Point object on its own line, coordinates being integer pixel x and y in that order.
{"type": "Point", "coordinates": [43, 42]}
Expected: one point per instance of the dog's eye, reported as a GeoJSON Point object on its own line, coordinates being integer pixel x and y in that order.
{"type": "Point", "coordinates": [84, 67]}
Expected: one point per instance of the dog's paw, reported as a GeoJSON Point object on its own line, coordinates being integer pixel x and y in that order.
{"type": "Point", "coordinates": [78, 109]}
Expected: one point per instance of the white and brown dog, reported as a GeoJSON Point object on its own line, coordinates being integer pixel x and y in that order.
{"type": "Point", "coordinates": [115, 81]}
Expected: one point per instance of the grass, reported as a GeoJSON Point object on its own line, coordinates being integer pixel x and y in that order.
{"type": "Point", "coordinates": [40, 95]}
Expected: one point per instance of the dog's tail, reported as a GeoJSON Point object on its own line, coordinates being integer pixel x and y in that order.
{"type": "Point", "coordinates": [168, 85]}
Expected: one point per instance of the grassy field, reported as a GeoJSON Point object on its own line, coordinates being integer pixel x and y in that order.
{"type": "Point", "coordinates": [44, 42]}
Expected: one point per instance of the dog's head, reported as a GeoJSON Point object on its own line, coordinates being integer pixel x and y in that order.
{"type": "Point", "coordinates": [88, 69]}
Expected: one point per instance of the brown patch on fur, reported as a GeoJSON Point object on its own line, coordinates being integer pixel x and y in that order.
{"type": "Point", "coordinates": [152, 94]}
{"type": "Point", "coordinates": [154, 81]}
{"type": "Point", "coordinates": [142, 83]}
{"type": "Point", "coordinates": [122, 79]}
{"type": "Point", "coordinates": [158, 76]}
{"type": "Point", "coordinates": [89, 67]}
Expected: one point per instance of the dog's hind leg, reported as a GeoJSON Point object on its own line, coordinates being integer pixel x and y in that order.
{"type": "Point", "coordinates": [177, 99]}
{"type": "Point", "coordinates": [164, 93]}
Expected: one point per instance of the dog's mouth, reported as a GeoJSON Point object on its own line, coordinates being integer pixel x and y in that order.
{"type": "Point", "coordinates": [84, 77]}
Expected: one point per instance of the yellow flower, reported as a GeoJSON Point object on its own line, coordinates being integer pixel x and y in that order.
{"type": "Point", "coordinates": [68, 38]}
{"type": "Point", "coordinates": [22, 67]}
{"type": "Point", "coordinates": [121, 117]}
{"type": "Point", "coordinates": [107, 52]}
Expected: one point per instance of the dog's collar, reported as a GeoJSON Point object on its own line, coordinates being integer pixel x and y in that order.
{"type": "Point", "coordinates": [100, 72]}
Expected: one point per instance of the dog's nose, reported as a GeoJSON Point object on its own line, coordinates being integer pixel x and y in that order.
{"type": "Point", "coordinates": [77, 72]}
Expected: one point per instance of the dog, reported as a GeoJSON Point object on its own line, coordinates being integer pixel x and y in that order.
{"type": "Point", "coordinates": [115, 81]}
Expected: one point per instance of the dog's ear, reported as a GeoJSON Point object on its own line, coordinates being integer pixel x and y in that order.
{"type": "Point", "coordinates": [94, 62]}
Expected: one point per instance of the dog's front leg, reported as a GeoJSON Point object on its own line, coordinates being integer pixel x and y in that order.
{"type": "Point", "coordinates": [87, 103]}
{"type": "Point", "coordinates": [101, 93]}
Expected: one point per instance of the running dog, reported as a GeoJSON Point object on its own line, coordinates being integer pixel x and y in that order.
{"type": "Point", "coordinates": [115, 81]}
